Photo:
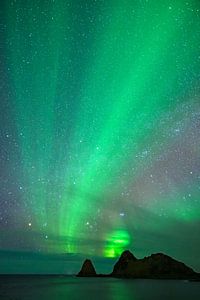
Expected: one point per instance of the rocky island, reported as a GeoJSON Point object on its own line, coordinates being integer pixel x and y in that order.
{"type": "Point", "coordinates": [87, 269]}
{"type": "Point", "coordinates": [155, 266]}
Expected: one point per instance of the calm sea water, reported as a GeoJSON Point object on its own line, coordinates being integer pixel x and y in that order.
{"type": "Point", "coordinates": [72, 288]}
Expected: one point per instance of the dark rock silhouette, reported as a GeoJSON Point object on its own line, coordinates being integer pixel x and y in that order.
{"type": "Point", "coordinates": [157, 266]}
{"type": "Point", "coordinates": [123, 262]}
{"type": "Point", "coordinates": [87, 269]}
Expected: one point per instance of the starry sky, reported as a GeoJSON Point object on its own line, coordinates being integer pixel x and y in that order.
{"type": "Point", "coordinates": [99, 132]}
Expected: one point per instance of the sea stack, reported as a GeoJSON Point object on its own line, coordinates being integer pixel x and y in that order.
{"type": "Point", "coordinates": [87, 269]}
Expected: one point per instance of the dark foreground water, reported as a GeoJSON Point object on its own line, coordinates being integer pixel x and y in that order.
{"type": "Point", "coordinates": [72, 288]}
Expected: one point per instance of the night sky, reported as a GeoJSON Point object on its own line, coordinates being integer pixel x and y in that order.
{"type": "Point", "coordinates": [99, 132]}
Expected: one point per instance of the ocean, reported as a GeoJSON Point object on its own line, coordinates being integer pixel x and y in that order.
{"type": "Point", "coordinates": [73, 288]}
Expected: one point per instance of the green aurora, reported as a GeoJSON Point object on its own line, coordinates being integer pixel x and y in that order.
{"type": "Point", "coordinates": [104, 113]}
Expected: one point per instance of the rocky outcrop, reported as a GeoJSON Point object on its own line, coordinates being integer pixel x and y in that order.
{"type": "Point", "coordinates": [155, 266]}
{"type": "Point", "coordinates": [123, 262]}
{"type": "Point", "coordinates": [87, 269]}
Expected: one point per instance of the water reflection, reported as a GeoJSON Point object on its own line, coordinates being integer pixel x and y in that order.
{"type": "Point", "coordinates": [72, 288]}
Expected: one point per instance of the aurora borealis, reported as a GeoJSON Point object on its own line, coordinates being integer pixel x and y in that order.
{"type": "Point", "coordinates": [100, 131]}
